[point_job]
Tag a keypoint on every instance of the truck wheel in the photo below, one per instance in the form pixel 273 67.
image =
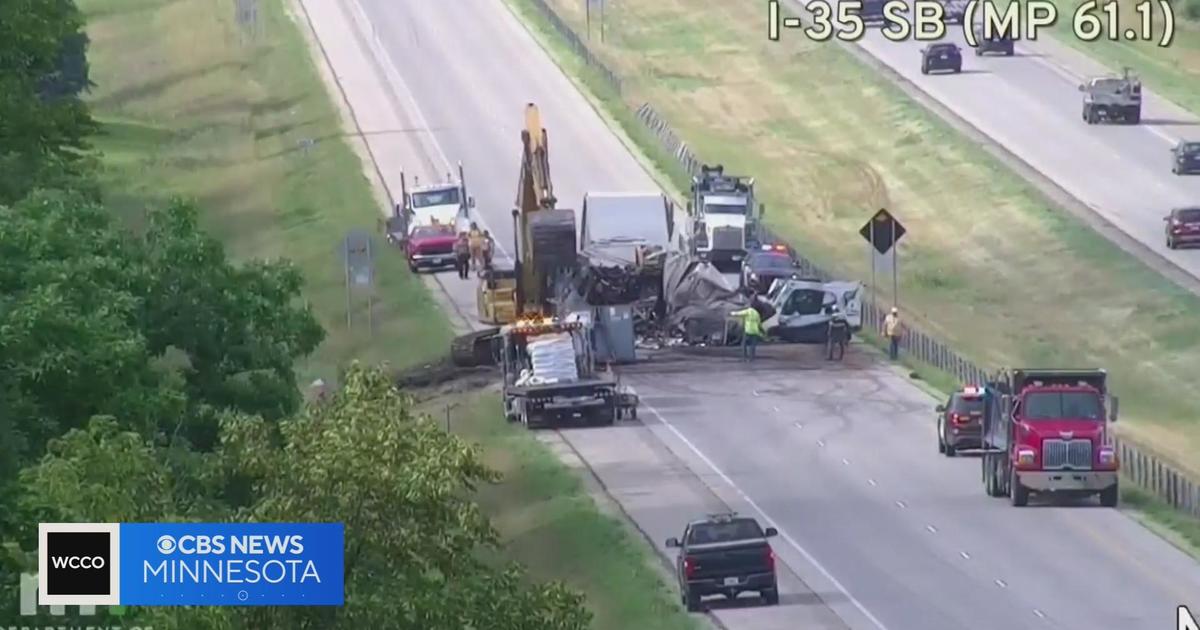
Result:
pixel 603 416
pixel 692 601
pixel 1109 496
pixel 941 442
pixel 994 488
pixel 1018 494
pixel 1171 243
pixel 1135 117
pixel 1008 53
pixel 924 69
pixel 413 268
pixel 771 596
pixel 950 450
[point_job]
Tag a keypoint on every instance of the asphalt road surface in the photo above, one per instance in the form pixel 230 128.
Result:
pixel 1030 104
pixel 879 532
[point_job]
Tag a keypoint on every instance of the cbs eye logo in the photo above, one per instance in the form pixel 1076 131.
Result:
pixel 165 544
pixel 78 564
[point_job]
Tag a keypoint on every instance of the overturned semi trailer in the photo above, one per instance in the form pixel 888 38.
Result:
pixel 698 299
pixel 623 240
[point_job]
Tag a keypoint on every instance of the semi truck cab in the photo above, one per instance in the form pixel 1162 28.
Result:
pixel 1047 431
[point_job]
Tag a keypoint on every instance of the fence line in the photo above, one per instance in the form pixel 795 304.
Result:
pixel 1147 471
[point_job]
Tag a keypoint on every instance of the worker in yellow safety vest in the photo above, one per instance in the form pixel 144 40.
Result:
pixel 893 330
pixel 751 331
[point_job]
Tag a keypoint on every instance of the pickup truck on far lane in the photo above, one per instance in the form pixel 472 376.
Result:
pixel 725 554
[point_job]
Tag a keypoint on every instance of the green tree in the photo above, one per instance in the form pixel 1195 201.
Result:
pixel 401 486
pixel 44 127
pixel 241 327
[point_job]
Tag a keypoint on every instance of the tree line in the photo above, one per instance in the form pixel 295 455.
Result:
pixel 145 376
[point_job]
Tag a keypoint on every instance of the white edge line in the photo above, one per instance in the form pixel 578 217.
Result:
pixel 782 533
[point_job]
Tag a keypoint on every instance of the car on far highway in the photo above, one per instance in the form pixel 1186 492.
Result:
pixel 430 246
pixel 725 554
pixel 1183 227
pixel 954 11
pixel 1185 158
pixel 941 56
pixel 960 421
pixel 765 266
pixel 997 43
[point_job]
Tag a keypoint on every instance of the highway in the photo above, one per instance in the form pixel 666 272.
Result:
pixel 1030 104
pixel 879 532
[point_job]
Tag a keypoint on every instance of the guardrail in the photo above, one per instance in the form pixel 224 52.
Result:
pixel 1146 470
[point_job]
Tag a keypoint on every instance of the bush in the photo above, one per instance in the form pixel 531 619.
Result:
pixel 1191 9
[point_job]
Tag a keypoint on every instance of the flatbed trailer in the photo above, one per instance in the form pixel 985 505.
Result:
pixel 593 401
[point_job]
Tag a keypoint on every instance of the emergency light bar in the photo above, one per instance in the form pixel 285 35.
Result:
pixel 972 391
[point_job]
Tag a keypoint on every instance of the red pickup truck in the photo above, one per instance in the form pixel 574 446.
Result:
pixel 430 246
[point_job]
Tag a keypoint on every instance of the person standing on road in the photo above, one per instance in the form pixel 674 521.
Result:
pixel 893 329
pixel 751 331
pixel 489 249
pixel 476 243
pixel 462 255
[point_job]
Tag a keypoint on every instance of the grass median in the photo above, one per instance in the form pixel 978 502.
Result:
pixel 988 265
pixel 193 104
pixel 197 105
pixel 548 521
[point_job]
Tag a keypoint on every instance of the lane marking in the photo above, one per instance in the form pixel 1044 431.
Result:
pixel 900 504
pixel 782 532
pixel 820 442
pixel 931 528
pixel 1001 583
pixel 756 392
pixel 776 409
pixel 871 481
pixel 799 426
pixel 1039 613
pixel 845 462
pixel 965 555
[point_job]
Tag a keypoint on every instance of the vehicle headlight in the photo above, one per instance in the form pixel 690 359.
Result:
pixel 1107 456
pixel 1026 455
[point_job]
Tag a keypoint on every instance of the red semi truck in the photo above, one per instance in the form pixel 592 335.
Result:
pixel 1047 432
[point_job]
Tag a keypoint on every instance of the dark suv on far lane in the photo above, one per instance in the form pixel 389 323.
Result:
pixel 997 43
pixel 960 421
pixel 941 56
pixel 1185 158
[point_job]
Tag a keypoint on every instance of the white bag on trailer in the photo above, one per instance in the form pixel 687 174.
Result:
pixel 553 358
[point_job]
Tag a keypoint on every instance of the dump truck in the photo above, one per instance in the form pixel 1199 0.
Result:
pixel 1047 432
pixel 1112 98
pixel 551 376
pixel 724 217
pixel 443 203
pixel 544 248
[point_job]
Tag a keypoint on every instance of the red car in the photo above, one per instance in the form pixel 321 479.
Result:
pixel 1183 227
pixel 430 246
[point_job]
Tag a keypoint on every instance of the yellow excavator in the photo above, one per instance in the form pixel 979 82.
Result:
pixel 544 242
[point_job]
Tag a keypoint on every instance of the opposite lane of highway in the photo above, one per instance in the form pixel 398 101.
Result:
pixel 1030 104
pixel 835 494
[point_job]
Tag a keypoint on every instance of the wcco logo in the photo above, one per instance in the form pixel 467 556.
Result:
pixel 1185 620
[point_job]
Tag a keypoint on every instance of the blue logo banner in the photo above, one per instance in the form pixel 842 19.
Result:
pixel 232 564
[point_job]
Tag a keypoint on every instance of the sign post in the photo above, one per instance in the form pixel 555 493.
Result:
pixel 884 232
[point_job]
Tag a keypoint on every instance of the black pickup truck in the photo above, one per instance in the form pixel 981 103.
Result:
pixel 725 554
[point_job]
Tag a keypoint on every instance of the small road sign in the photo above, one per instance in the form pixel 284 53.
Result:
pixel 882 231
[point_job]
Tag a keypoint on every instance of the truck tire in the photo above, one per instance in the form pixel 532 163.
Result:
pixel 1018 494
pixel 924 69
pixel 941 442
pixel 771 596
pixel 1109 496
pixel 691 601
pixel 992 483
pixel 950 450
pixel 1135 116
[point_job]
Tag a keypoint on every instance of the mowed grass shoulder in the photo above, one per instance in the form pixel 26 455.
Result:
pixel 547 519
pixel 192 105
pixel 988 264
